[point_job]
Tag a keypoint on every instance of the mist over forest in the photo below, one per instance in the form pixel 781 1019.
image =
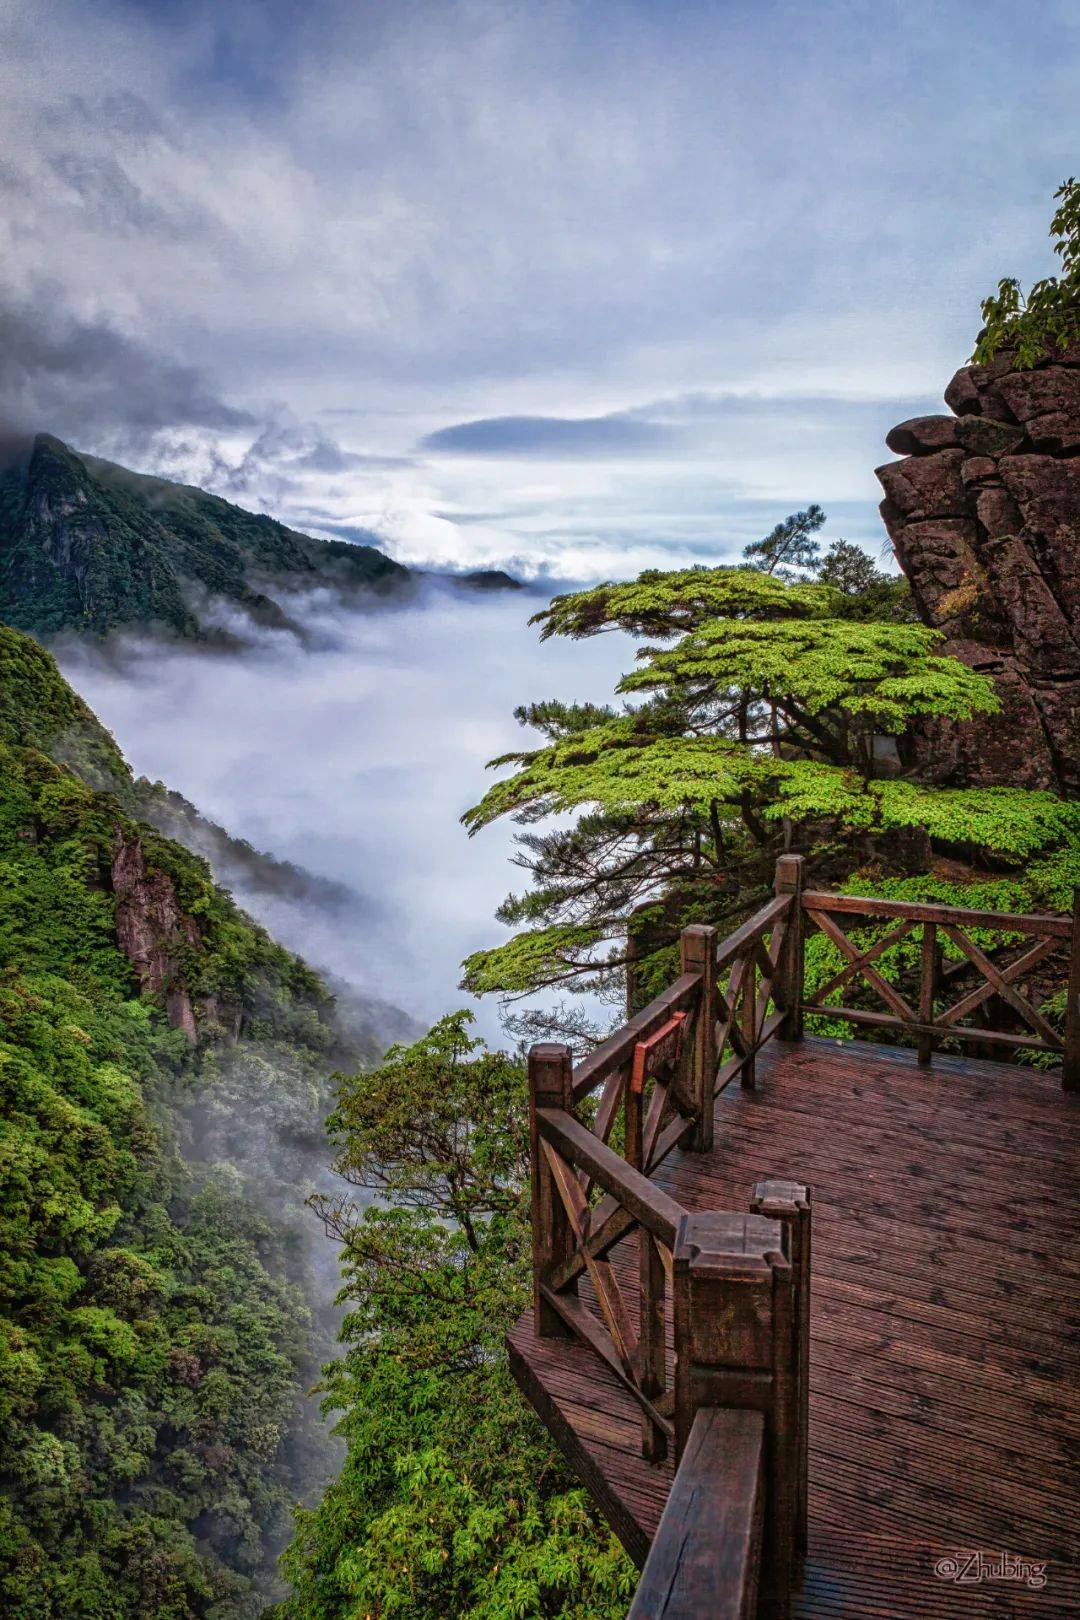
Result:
pixel 352 752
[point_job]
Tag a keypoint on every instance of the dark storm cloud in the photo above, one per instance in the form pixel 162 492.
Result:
pixel 57 374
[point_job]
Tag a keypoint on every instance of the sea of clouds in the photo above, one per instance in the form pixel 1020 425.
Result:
pixel 352 751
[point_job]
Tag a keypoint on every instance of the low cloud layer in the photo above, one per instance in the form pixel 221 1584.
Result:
pixel 352 756
pixel 549 436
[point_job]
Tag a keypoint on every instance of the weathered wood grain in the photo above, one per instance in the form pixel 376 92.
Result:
pixel 944 1379
pixel 704 1557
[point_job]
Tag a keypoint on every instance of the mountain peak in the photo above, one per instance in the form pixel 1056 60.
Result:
pixel 91 546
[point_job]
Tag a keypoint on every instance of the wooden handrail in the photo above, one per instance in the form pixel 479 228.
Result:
pixel 619 1048
pixel 706 1555
pixel 646 1202
pixel 1006 922
pixel 752 929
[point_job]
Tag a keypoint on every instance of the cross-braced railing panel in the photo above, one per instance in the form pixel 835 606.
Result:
pixel 749 971
pixel 932 1010
pixel 646 1104
pixel 628 1334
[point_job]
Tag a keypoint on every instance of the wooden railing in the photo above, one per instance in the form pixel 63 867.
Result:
pixel 722 1297
pixel 944 1002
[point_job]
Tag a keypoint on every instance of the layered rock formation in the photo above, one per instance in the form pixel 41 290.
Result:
pixel 984 516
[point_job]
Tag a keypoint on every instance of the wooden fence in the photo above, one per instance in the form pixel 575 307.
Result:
pixel 723 1297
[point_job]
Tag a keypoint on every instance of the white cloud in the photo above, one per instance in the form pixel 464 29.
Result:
pixel 418 216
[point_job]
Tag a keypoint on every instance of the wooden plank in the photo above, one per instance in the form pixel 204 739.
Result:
pixel 749 1022
pixel 929 972
pixel 912 1026
pixel 651 1358
pixel 697 954
pixel 656 1211
pixel 705 1556
pixel 1007 922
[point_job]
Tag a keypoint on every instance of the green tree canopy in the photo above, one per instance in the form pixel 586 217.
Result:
pixel 1045 319
pixel 764 712
pixel 451 1500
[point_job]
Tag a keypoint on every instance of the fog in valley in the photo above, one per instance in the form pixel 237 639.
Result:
pixel 352 751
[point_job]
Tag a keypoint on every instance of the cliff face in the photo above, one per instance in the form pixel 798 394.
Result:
pixel 152 930
pixel 984 516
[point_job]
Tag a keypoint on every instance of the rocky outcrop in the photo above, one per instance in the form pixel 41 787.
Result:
pixel 984 515
pixel 152 930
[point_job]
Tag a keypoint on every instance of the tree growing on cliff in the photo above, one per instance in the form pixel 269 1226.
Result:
pixel 767 714
pixel 451 1500
pixel 1046 319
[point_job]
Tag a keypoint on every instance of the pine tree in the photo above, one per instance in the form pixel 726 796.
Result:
pixel 766 713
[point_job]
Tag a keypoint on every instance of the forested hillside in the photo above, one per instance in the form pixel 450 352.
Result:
pixel 89 546
pixel 155 1336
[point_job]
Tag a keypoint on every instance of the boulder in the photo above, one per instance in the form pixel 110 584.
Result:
pixel 982 436
pixel 926 486
pixel 1053 390
pixel 978 470
pixel 961 395
pixel 921 433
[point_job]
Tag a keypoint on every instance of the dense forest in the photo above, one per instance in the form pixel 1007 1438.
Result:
pixel 156 1325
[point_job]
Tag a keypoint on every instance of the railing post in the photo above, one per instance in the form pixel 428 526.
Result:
pixel 697 951
pixel 734 1347
pixel 929 976
pixel 748 1023
pixel 789 1203
pixel 1070 1066
pixel 788 983
pixel 551 1078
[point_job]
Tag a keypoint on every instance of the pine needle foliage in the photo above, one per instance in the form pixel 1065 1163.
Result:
pixel 766 711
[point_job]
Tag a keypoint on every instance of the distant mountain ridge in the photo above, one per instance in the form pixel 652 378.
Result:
pixel 89 546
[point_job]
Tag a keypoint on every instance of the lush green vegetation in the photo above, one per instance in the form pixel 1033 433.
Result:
pixel 90 546
pixel 772 709
pixel 153 1337
pixel 451 1500
pixel 1046 319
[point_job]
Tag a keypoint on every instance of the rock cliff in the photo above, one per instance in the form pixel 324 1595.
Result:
pixel 984 515
pixel 152 930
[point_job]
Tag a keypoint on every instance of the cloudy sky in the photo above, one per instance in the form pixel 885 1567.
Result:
pixel 570 287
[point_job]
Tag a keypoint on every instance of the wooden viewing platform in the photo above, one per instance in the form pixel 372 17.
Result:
pixel 938 1302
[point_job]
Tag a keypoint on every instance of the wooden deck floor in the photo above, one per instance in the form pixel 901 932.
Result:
pixel 945 1401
